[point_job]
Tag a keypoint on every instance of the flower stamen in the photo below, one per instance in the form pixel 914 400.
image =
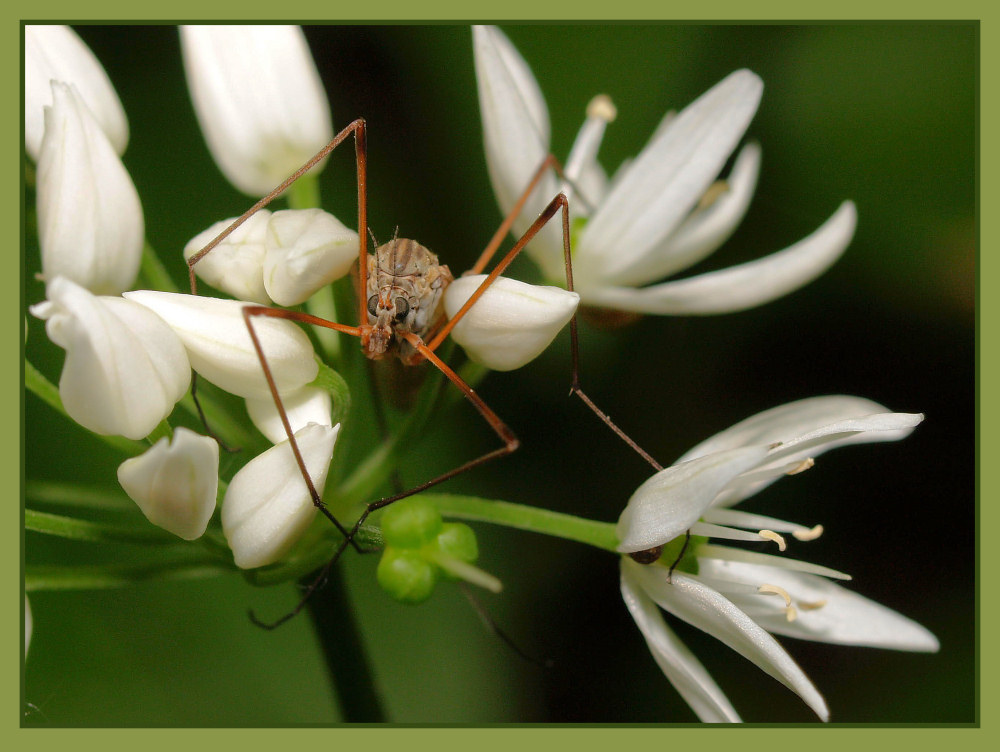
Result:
pixel 808 535
pixel 801 467
pixel 773 536
pixel 812 605
pixel 715 191
pixel 790 613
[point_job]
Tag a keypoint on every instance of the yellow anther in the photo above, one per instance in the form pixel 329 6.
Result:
pixel 790 613
pixel 808 535
pixel 602 107
pixel 713 194
pixel 773 536
pixel 802 466
pixel 812 605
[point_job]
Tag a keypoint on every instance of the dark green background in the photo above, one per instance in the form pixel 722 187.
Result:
pixel 881 114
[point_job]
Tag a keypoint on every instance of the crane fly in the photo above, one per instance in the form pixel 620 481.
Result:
pixel 400 309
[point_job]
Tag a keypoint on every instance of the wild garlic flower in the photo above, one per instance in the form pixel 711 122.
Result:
pixel 310 404
pixel 125 368
pixel 282 257
pixel 259 100
pixel 90 222
pixel 267 505
pixel 56 53
pixel 218 344
pixel 175 482
pixel 512 323
pixel 739 596
pixel 660 213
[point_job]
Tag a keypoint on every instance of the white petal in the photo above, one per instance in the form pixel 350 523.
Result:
pixel 309 404
pixel 673 499
pixel 175 483
pixel 516 135
pixel 90 223
pixel 259 100
pixel 236 265
pixel 786 422
pixel 704 608
pixel 704 230
pixel 740 287
pixel 678 663
pixel 669 177
pixel 844 618
pixel 56 53
pixel 512 323
pixel 267 506
pixel 125 369
pixel 219 346
pixel 306 249
pixel 725 553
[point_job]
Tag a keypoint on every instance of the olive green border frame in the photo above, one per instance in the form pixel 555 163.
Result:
pixel 503 738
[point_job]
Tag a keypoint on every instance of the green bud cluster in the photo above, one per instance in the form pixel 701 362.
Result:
pixel 417 543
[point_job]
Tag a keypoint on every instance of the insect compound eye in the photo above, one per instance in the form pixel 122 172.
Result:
pixel 373 305
pixel 402 308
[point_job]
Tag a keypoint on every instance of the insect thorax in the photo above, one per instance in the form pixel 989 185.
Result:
pixel 404 293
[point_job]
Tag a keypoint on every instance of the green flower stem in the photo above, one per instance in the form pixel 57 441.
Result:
pixel 322 305
pixel 567 526
pixel 94 532
pixel 71 494
pixel 231 430
pixel 153 274
pixel 340 392
pixel 78 577
pixel 304 192
pixel 45 390
pixel 313 558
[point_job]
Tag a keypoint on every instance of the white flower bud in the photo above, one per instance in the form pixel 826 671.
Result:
pixel 90 223
pixel 259 100
pixel 309 404
pixel 235 265
pixel 125 368
pixel 267 505
pixel 512 323
pixel 219 346
pixel 306 249
pixel 56 53
pixel 175 483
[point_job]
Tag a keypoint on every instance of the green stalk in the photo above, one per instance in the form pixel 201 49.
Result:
pixel 523 517
pixel 153 273
pixel 74 528
pixel 78 577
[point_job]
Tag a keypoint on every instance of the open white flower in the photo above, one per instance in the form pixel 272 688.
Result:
pixel 56 53
pixel 267 506
pixel 259 100
pixel 740 596
pixel 219 346
pixel 125 368
pixel 512 323
pixel 90 223
pixel 175 482
pixel 656 216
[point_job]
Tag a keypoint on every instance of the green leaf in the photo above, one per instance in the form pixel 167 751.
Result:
pixel 64 526
pixel 112 576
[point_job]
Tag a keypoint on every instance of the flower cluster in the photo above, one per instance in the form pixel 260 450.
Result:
pixel 131 354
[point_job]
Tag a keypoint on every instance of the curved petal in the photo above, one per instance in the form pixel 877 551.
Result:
pixel 512 323
pixel 668 177
pixel 235 265
pixel 516 135
pixel 704 230
pixel 673 499
pixel 217 341
pixel 704 608
pixel 56 53
pixel 310 404
pixel 259 100
pixel 678 663
pixel 831 614
pixel 739 287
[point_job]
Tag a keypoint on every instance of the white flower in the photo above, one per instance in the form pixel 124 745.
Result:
pixel 236 265
pixel 219 346
pixel 56 53
pixel 125 368
pixel 512 323
pixel 259 100
pixel 90 223
pixel 310 404
pixel 267 506
pixel 740 596
pixel 306 249
pixel 653 218
pixel 175 483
